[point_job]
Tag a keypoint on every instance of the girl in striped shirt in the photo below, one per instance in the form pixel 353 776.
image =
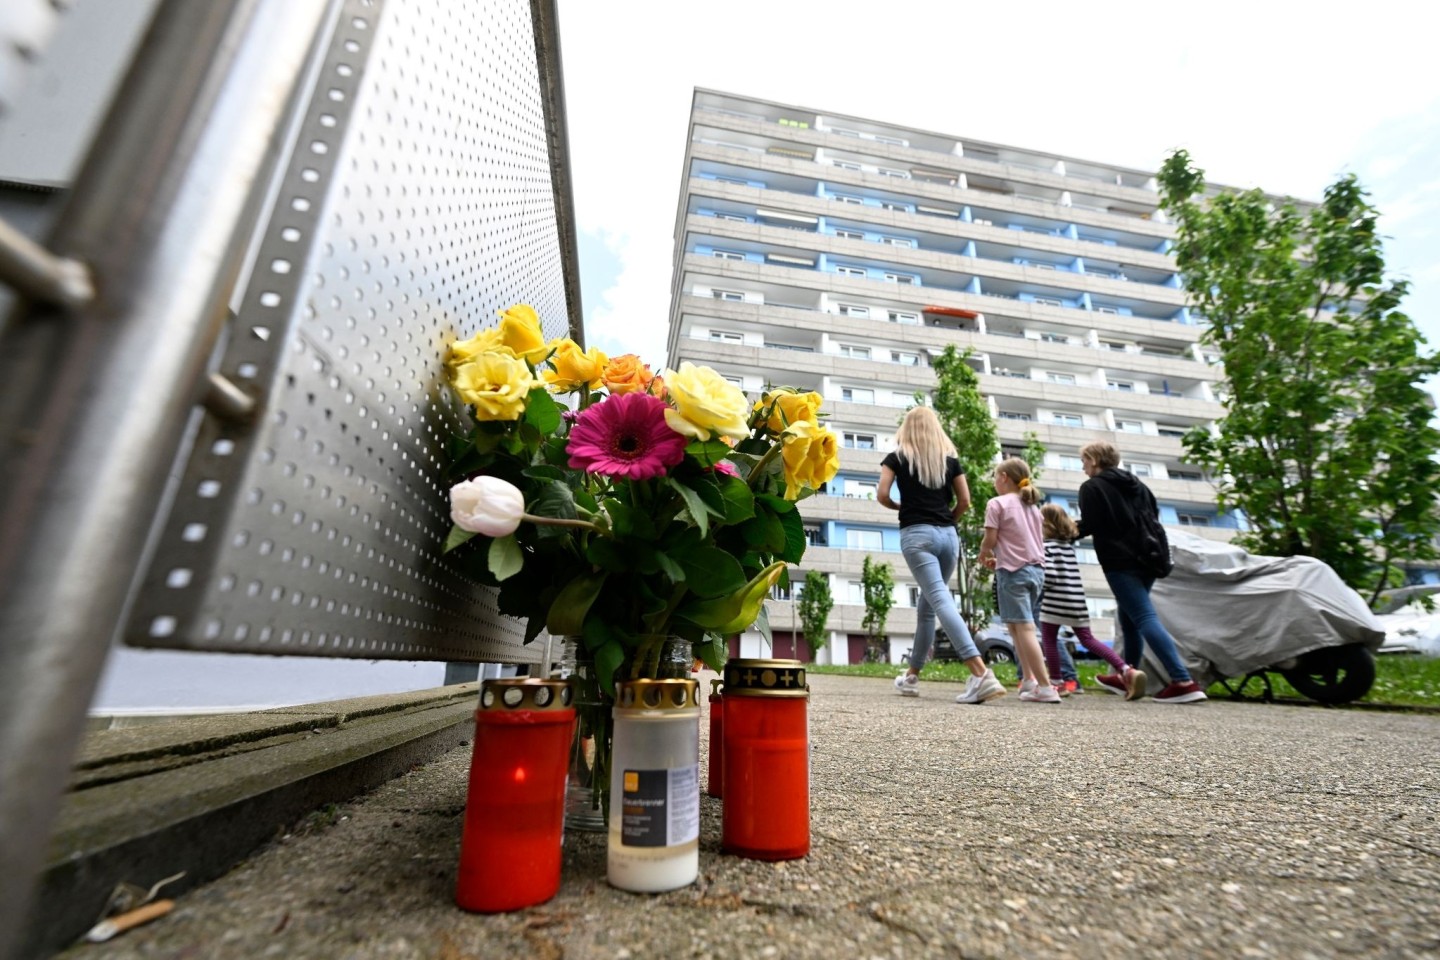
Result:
pixel 1063 601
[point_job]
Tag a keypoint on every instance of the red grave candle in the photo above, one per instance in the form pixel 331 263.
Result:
pixel 714 778
pixel 766 755
pixel 515 809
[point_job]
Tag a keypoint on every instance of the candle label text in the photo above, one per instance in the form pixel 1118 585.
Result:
pixel 660 808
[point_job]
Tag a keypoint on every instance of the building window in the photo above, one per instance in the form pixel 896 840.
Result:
pixel 854 352
pixel 739 382
pixel 850 271
pixel 845 164
pixel 730 296
pixel 841 131
pixel 1129 426
pixel 895 207
pixel 1067 379
pixel 902 316
pixel 1113 345
pixel 1012 415
pixel 1141 469
pixel 863 539
pixel 1193 520
pixel 814 537
pixel 1124 386
pixel 860 441
pixel 857 395
pixel 1174 433
pixel 733 217
pixel 1185 474
pixel 850 310
pixel 1068 462
pixel 726 255
pixel 905 359
pixel 849 235
pixel 1054 338
pixel 854 592
pixel 845 198
pixel 899 242
pixel 1067 419
pixel 903 278
pixel 1113 311
pixel 734 180
pixel 1049 302
pixel 726 336
pixel 887 172
pixel 861 489
pixel 892 141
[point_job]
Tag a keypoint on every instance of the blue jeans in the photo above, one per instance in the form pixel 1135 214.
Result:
pixel 1140 624
pixel 1019 593
pixel 931 554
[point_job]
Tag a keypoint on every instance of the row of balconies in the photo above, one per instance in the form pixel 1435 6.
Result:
pixel 788 185
pixel 741 275
pixel 789 175
pixel 908 149
pixel 953 270
pixel 806 323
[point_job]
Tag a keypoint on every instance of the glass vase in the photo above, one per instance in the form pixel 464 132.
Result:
pixel 589 775
pixel 587 793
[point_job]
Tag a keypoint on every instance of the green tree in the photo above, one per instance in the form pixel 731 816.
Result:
pixel 878 587
pixel 814 605
pixel 1326 443
pixel 965 416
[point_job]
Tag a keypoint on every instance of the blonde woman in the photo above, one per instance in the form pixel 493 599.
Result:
pixel 933 495
pixel 1014 547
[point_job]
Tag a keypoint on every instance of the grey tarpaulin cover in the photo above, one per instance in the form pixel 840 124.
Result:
pixel 1231 612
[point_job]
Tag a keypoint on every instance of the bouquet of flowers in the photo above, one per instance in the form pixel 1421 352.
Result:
pixel 644 508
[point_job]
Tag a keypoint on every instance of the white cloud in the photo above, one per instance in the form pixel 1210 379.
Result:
pixel 1260 94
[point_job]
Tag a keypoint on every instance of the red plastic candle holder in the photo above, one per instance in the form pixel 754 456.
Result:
pixel 515 809
pixel 765 811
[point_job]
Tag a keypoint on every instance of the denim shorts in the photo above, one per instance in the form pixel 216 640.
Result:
pixel 1019 592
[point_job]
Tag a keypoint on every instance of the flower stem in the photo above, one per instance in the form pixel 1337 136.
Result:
pixel 765 461
pixel 557 522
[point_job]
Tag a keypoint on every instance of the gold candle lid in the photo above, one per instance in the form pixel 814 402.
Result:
pixel 525 693
pixel 657 694
pixel 765 678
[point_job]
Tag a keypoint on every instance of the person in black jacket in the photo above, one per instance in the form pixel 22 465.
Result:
pixel 1111 504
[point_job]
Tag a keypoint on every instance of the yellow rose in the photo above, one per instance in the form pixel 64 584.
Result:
pixel 788 406
pixel 486 341
pixel 520 331
pixel 706 404
pixel 626 374
pixel 575 369
pixel 811 457
pixel 496 385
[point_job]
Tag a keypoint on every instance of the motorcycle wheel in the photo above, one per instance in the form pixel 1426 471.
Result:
pixel 1334 674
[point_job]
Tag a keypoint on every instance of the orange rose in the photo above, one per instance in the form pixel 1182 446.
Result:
pixel 626 374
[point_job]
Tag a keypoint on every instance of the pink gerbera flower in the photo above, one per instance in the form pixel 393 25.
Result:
pixel 625 435
pixel 726 467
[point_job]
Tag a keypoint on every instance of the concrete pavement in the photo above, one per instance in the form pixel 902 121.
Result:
pixel 1095 828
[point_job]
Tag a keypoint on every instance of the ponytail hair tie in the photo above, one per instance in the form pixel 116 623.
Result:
pixel 1024 482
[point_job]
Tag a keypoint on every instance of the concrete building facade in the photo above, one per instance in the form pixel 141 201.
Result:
pixel 839 255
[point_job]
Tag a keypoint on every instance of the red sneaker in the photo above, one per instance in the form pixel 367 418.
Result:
pixel 1068 687
pixel 1187 692
pixel 1112 683
pixel 1134 683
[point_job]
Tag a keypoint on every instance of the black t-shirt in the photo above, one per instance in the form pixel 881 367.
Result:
pixel 922 504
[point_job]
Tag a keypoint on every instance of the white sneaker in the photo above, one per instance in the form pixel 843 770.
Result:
pixel 908 684
pixel 982 688
pixel 1027 686
pixel 1040 694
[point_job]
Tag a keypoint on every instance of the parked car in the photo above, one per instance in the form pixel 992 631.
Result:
pixel 993 642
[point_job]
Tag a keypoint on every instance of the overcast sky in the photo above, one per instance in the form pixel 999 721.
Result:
pixel 1259 95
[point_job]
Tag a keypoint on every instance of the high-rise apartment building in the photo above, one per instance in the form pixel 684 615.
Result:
pixel 839 255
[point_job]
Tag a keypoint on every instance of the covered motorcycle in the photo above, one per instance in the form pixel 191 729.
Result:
pixel 1235 616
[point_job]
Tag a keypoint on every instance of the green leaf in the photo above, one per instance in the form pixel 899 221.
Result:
pixel 736 612
pixel 764 531
pixel 608 659
pixel 709 571
pixel 457 537
pixel 555 500
pixel 572 603
pixel 673 570
pixel 707 452
pixel 778 504
pixel 739 500
pixel 714 651
pixel 506 558
pixel 794 536
pixel 542 412
pixel 696 506
pixel 607 555
pixel 544 472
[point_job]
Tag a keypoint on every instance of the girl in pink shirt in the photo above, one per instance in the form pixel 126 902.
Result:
pixel 1014 547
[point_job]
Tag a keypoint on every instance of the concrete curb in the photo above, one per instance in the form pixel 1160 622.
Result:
pixel 198 797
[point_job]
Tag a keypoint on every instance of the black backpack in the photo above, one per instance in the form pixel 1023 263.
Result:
pixel 1152 547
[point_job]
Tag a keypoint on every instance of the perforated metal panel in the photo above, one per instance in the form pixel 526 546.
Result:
pixel 418 203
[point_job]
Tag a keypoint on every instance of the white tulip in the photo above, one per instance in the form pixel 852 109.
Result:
pixel 487 505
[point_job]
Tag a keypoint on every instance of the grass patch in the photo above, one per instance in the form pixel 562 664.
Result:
pixel 1407 680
